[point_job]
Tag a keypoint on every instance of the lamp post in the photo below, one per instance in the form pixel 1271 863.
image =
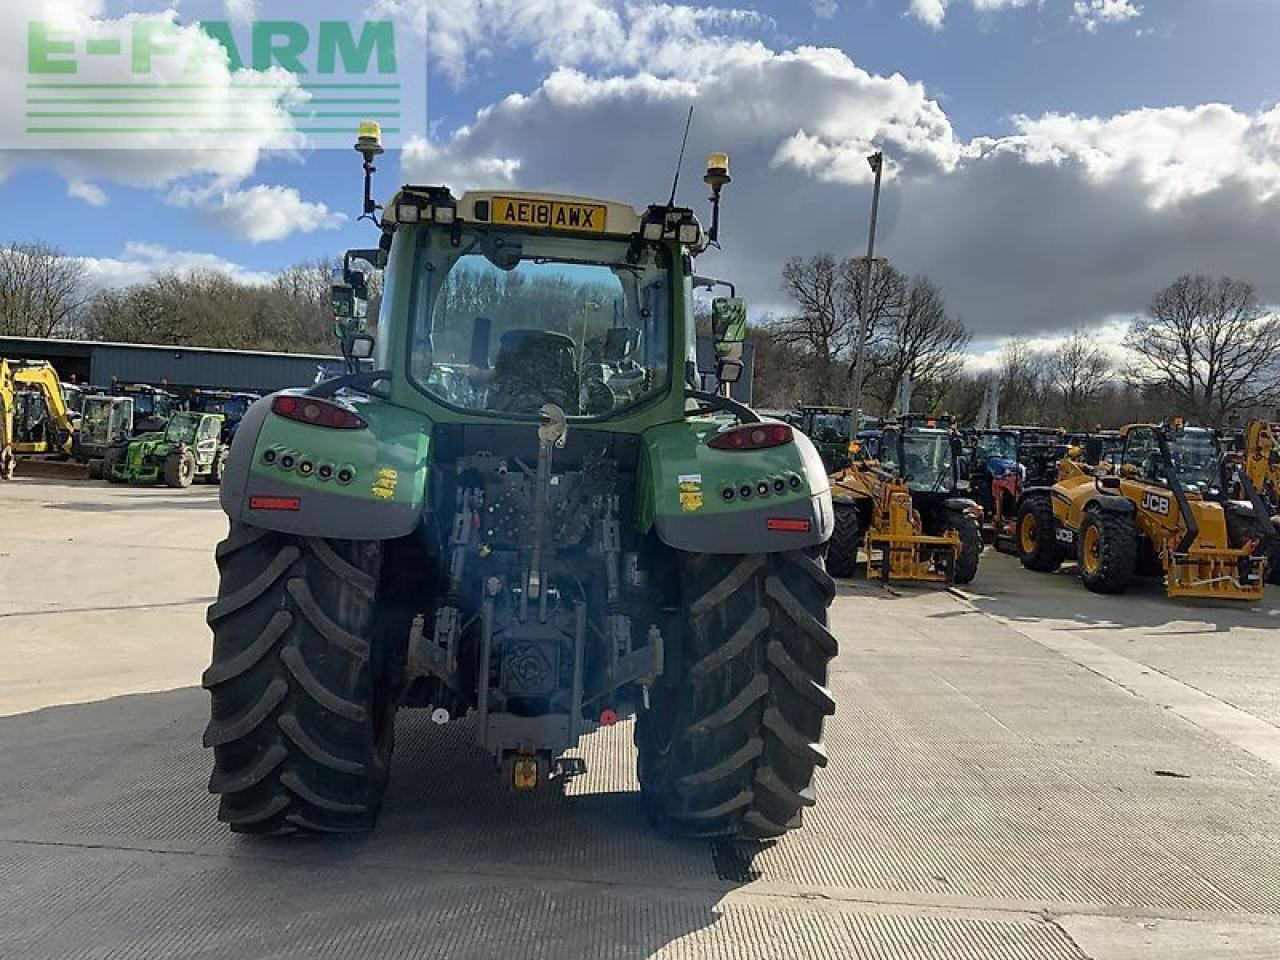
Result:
pixel 876 160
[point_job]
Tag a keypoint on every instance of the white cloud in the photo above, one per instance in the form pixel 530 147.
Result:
pixel 260 213
pixel 824 9
pixel 1068 220
pixel 209 161
pixel 139 262
pixel 91 194
pixel 1175 153
pixel 1092 13
pixel 654 36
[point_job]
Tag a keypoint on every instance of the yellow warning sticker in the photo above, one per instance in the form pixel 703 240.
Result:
pixel 384 483
pixel 690 487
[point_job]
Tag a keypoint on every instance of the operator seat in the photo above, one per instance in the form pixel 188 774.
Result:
pixel 534 367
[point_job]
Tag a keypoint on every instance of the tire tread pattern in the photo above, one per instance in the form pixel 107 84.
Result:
pixel 296 730
pixel 746 715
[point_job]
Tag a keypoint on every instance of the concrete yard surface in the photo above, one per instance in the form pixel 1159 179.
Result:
pixel 1019 770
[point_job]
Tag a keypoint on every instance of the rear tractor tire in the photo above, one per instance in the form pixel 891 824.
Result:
pixel 846 539
pixel 1107 551
pixel 732 734
pixel 970 544
pixel 302 727
pixel 179 469
pixel 1038 545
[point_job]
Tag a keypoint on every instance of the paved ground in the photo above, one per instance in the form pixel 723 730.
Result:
pixel 1028 771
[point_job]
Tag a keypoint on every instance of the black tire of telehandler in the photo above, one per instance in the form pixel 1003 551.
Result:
pixel 970 544
pixel 179 469
pixel 217 467
pixel 1243 525
pixel 301 728
pixel 733 732
pixel 1048 554
pixel 846 539
pixel 95 469
pixel 1117 551
pixel 110 460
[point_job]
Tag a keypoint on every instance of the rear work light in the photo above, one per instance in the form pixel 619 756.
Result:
pixel 753 436
pixel 319 413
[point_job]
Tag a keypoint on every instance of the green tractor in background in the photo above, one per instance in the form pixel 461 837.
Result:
pixel 489 523
pixel 190 446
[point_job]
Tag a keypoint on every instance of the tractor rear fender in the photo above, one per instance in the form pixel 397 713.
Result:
pixel 376 476
pixel 703 500
pixel 960 504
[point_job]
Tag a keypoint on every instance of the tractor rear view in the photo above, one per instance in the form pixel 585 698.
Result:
pixel 1166 511
pixel 906 509
pixel 486 527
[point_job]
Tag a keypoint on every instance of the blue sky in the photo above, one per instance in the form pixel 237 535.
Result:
pixel 976 71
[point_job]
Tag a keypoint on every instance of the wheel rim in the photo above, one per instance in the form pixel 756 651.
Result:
pixel 1092 550
pixel 1029 533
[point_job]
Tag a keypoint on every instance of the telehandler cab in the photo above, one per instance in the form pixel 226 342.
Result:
pixel 483 525
pixel 906 510
pixel 1166 510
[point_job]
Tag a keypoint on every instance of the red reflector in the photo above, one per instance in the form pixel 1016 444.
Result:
pixel 321 413
pixel 275 503
pixel 786 525
pixel 608 717
pixel 752 436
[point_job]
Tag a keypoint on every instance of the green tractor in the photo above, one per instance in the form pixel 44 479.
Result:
pixel 483 525
pixel 190 446
pixel 828 428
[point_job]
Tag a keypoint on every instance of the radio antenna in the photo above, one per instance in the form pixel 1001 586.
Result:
pixel 680 162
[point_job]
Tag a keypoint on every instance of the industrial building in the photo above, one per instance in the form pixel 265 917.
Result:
pixel 183 368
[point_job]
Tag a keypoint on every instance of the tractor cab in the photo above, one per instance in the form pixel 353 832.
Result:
pixel 230 404
pixel 925 457
pixel 828 428
pixel 104 422
pixel 152 406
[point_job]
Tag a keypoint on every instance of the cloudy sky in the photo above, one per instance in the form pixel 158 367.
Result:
pixel 1052 163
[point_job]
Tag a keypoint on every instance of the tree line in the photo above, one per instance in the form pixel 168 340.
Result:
pixel 43 294
pixel 1205 349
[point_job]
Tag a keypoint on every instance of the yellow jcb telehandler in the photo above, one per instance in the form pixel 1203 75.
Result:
pixel 1166 510
pixel 905 510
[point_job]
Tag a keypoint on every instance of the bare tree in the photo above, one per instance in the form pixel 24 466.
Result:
pixel 1025 388
pixel 1208 344
pixel 1079 370
pixel 41 291
pixel 828 292
pixel 918 339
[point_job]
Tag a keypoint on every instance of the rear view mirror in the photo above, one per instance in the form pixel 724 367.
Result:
pixel 729 326
pixel 360 346
pixel 346 303
pixel 730 371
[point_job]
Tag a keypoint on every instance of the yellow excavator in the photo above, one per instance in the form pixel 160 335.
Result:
pixel 35 425
pixel 7 457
